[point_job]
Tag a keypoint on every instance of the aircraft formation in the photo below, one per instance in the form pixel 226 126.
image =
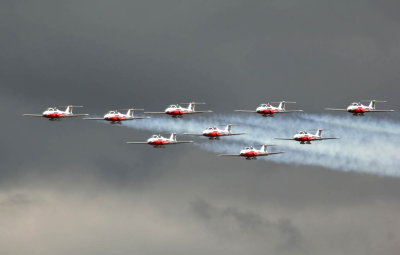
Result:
pixel 212 132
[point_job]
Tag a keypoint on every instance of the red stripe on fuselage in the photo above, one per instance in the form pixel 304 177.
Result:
pixel 214 134
pixel 54 115
pixel 267 111
pixel 115 118
pixel 158 142
pixel 305 138
pixel 358 110
pixel 249 154
pixel 176 112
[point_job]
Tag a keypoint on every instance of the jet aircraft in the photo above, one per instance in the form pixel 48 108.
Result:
pixel 53 113
pixel 158 141
pixel 267 110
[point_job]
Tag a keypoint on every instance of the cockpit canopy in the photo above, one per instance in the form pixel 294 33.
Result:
pixel 52 109
pixel 211 128
pixel 112 112
pixel 302 132
pixel 155 136
pixel 174 106
pixel 355 104
pixel 248 148
pixel 265 105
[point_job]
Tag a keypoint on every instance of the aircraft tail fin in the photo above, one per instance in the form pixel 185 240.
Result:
pixel 282 104
pixel 228 127
pixel 173 136
pixel 373 102
pixel 191 105
pixel 130 111
pixel 69 108
pixel 265 146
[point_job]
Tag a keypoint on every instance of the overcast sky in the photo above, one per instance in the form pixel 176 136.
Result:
pixel 73 187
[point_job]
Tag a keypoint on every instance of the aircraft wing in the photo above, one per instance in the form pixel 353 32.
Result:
pixel 272 153
pixel 288 111
pixel 177 142
pixel 269 153
pixel 380 111
pixel 238 134
pixel 32 115
pixel 93 118
pixel 76 115
pixel 193 134
pixel 284 139
pixel 155 112
pixel 229 155
pixel 199 112
pixel 334 109
pixel 327 138
pixel 245 111
pixel 135 118
pixel 137 142
pixel 138 118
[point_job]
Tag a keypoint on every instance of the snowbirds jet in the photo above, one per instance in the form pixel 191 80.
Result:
pixel 305 138
pixel 251 153
pixel 159 141
pixel 177 111
pixel 267 110
pixel 115 117
pixel 216 133
pixel 52 113
pixel 358 109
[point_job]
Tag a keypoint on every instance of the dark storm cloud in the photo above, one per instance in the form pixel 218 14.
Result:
pixel 232 223
pixel 246 52
pixel 74 186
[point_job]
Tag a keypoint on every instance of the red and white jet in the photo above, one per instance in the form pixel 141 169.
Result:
pixel 159 141
pixel 251 153
pixel 115 117
pixel 52 113
pixel 216 133
pixel 358 109
pixel 305 138
pixel 267 110
pixel 178 111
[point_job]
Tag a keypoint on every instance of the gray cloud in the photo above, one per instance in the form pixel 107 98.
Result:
pixel 233 224
pixel 75 187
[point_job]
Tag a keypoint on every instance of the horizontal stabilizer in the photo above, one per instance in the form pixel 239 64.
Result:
pixel 200 112
pixel 183 142
pixel 380 111
pixel 288 111
pixel 376 101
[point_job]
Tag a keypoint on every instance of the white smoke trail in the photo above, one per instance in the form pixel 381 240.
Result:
pixel 367 144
